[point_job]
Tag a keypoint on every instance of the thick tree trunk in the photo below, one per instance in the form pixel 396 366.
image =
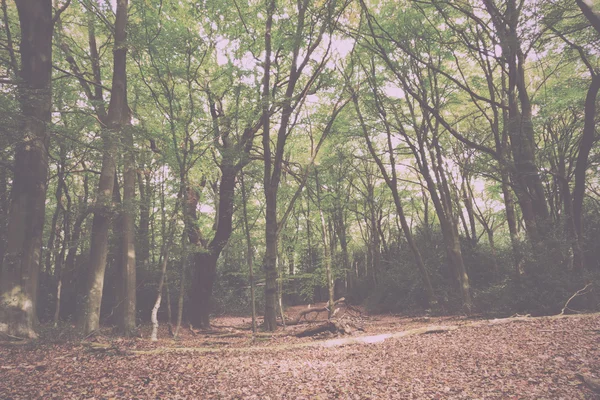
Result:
pixel 205 272
pixel 207 255
pixel 21 261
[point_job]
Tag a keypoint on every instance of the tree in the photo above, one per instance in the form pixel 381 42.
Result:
pixel 21 260
pixel 117 118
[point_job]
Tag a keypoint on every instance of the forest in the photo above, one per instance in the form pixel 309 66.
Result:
pixel 166 166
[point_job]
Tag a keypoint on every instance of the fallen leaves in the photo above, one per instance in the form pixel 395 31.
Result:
pixel 534 358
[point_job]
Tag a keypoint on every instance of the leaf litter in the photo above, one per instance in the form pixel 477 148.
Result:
pixel 526 358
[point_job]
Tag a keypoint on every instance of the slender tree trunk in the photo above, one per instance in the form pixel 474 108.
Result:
pixel 470 212
pixel 60 260
pixel 60 257
pixel 511 219
pixel 490 235
pixel 167 241
pixel 53 226
pixel 4 201
pixel 392 184
pixel 184 256
pixel 581 166
pixel 448 224
pixel 143 247
pixel 70 275
pixel 375 242
pixel 340 228
pixel 249 252
pixel 21 262
pixel 118 116
pixel 169 310
pixel 159 290
pixel 326 249
pixel 270 187
pixel 127 320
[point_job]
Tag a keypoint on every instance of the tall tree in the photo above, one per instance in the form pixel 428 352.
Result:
pixel 118 116
pixel 296 89
pixel 21 261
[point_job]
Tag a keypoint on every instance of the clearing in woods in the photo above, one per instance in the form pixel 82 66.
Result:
pixel 384 357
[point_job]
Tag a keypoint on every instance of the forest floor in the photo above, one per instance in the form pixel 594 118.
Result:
pixel 393 358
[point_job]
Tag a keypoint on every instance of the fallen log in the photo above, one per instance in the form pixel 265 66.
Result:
pixel 326 327
pixel 309 311
pixel 333 326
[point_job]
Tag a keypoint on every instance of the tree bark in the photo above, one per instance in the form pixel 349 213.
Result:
pixel 270 187
pixel 143 246
pixel 117 117
pixel 249 252
pixel 527 181
pixel 21 262
pixel 326 249
pixel 340 228
pixel 127 320
pixel 585 145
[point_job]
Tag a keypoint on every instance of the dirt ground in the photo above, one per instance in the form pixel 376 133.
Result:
pixel 393 357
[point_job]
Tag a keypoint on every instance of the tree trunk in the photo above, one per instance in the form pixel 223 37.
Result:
pixel 470 212
pixel 69 273
pixel 249 252
pixel 21 262
pixel 154 314
pixel 527 181
pixel 143 246
pixel 60 260
pixel 118 116
pixel 127 320
pixel 53 224
pixel 4 199
pixel 585 146
pixel 340 228
pixel 589 132
pixel 448 224
pixel 205 272
pixel 392 184
pixel 326 249
pixel 182 278
pixel 511 219
pixel 163 276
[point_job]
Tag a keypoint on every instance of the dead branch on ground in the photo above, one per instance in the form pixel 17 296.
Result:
pixel 580 292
